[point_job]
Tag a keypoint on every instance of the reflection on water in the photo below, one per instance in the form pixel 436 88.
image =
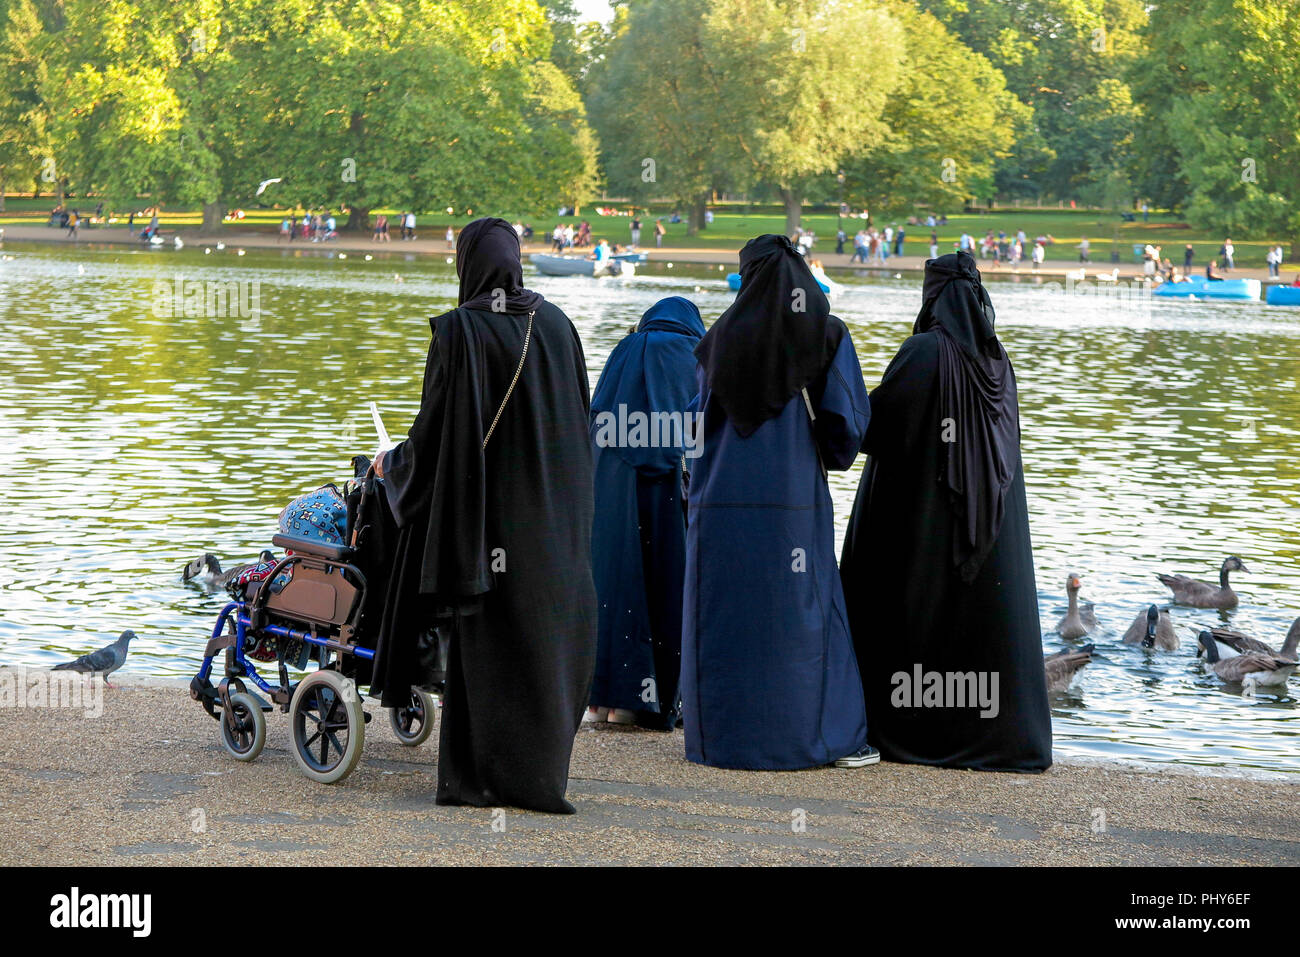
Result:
pixel 1157 437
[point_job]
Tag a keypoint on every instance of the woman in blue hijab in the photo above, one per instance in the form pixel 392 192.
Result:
pixel 642 438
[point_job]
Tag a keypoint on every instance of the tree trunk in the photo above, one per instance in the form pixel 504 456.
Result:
pixel 213 214
pixel 793 209
pixel 695 223
pixel 358 219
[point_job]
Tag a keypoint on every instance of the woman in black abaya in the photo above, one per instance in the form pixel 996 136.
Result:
pixel 937 566
pixel 492 491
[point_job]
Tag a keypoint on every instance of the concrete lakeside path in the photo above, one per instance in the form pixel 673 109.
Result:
pixel 148 783
pixel 434 247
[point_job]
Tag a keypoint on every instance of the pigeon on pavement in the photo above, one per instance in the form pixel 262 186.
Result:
pixel 103 662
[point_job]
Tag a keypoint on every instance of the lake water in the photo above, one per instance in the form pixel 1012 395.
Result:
pixel 1157 437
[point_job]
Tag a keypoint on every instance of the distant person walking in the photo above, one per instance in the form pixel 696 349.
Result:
pixel 1227 253
pixel 634 228
pixel 860 247
pixel 934 245
pixel 1189 254
pixel 660 230
pixel 1084 247
pixel 898 240
pixel 1272 258
pixel 451 237
pixel 285 231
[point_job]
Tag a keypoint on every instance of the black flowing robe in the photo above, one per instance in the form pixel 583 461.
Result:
pixel 514 585
pixel 909 607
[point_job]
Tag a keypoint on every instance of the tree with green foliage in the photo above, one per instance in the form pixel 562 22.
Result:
pixel 804 85
pixel 692 96
pixel 423 103
pixel 1068 60
pixel 662 127
pixel 1221 97
pixel 949 123
pixel 26 153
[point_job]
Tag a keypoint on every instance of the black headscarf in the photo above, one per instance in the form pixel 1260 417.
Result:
pixel 761 351
pixel 977 392
pixel 490 269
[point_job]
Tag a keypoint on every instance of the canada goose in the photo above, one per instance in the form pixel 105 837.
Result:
pixel 1152 628
pixel 206 569
pixel 1077 621
pixel 1202 594
pixel 1064 665
pixel 1250 669
pixel 1232 643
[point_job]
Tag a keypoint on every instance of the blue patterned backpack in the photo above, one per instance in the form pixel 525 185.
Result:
pixel 320 516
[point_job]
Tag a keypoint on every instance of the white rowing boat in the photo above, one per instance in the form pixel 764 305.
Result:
pixel 574 266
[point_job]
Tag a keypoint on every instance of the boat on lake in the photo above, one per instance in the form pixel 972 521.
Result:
pixel 1201 288
pixel 1283 295
pixel 827 286
pixel 549 265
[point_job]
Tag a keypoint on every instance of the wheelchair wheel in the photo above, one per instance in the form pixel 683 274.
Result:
pixel 245 740
pixel 413 723
pixel 329 727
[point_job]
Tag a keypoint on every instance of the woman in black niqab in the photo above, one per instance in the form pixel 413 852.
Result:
pixel 493 498
pixel 756 358
pixel 937 563
pixel 977 395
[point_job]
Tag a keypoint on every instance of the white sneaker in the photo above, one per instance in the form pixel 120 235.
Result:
pixel 595 715
pixel 621 716
pixel 859 759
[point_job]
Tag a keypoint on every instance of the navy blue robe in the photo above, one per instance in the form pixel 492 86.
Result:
pixel 638 542
pixel 769 677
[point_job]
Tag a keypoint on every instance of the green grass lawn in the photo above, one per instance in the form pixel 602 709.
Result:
pixel 733 224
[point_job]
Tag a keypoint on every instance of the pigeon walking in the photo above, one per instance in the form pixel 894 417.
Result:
pixel 103 662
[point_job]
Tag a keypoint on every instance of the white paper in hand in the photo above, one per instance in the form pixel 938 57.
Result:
pixel 385 443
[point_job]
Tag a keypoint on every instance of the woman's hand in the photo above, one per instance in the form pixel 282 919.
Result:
pixel 377 463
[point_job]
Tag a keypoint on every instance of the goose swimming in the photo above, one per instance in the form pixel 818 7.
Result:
pixel 1252 670
pixel 1232 643
pixel 1153 628
pixel 1203 594
pixel 1078 620
pixel 1062 667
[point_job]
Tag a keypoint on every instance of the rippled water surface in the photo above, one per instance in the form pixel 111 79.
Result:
pixel 1157 437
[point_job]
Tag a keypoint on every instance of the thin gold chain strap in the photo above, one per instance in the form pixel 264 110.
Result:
pixel 528 334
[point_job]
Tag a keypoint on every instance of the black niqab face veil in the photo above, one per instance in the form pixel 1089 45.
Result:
pixel 491 272
pixel 777 336
pixel 979 410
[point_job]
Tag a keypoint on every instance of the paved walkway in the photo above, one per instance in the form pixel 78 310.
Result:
pixel 148 783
